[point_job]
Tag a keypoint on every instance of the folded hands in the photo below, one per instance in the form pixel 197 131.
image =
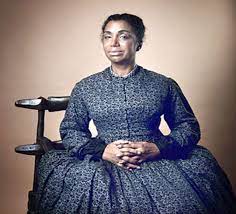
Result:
pixel 130 155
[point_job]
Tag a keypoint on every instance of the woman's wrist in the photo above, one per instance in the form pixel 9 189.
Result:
pixel 153 151
pixel 104 154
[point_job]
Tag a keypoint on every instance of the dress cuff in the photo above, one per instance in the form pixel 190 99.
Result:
pixel 169 148
pixel 94 147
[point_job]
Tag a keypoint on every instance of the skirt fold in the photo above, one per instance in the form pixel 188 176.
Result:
pixel 196 184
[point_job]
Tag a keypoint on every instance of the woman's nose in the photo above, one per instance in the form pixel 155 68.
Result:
pixel 115 41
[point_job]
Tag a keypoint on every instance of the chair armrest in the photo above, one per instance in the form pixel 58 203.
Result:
pixel 35 103
pixel 57 103
pixel 30 149
pixel 51 104
pixel 39 149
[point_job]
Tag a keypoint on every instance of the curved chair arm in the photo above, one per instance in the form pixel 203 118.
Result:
pixel 41 104
pixel 57 103
pixel 51 103
pixel 43 145
pixel 30 149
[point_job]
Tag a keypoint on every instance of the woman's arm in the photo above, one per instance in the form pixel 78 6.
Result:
pixel 185 130
pixel 74 128
pixel 75 133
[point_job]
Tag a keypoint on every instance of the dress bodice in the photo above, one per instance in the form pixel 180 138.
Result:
pixel 130 109
pixel 125 108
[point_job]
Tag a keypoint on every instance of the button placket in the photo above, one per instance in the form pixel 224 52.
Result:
pixel 125 105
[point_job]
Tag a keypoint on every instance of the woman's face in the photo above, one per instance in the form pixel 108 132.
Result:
pixel 119 42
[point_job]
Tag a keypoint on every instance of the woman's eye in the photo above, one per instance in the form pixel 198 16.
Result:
pixel 124 37
pixel 106 37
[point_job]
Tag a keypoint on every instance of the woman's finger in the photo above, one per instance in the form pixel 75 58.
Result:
pixel 125 164
pixel 138 145
pixel 140 161
pixel 132 160
pixel 121 142
pixel 120 165
pixel 124 145
pixel 130 150
pixel 119 154
pixel 127 154
pixel 131 166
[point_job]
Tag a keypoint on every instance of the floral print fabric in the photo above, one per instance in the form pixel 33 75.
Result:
pixel 185 179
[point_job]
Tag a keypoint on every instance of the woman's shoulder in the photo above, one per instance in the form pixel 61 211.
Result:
pixel 99 78
pixel 156 76
pixel 91 80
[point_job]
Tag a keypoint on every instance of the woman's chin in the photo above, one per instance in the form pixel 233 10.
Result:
pixel 116 59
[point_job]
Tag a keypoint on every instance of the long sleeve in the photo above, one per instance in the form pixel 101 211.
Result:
pixel 74 129
pixel 185 130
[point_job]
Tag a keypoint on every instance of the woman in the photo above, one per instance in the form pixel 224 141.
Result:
pixel 130 167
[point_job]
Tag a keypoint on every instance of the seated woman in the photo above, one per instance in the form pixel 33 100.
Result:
pixel 130 167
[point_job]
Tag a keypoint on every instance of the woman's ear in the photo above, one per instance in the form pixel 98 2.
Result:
pixel 139 46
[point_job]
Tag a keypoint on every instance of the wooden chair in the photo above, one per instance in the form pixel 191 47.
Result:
pixel 42 143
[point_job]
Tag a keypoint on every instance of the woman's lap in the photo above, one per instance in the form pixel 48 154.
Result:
pixel 68 185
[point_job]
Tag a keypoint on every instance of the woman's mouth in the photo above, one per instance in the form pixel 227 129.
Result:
pixel 115 53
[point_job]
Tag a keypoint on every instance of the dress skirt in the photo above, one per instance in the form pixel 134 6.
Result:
pixel 196 184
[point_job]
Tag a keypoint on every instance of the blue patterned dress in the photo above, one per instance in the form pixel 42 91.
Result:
pixel 186 178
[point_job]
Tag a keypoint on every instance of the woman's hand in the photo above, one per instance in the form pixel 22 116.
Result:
pixel 137 152
pixel 113 154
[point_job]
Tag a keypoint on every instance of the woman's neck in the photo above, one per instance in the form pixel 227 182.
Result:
pixel 122 70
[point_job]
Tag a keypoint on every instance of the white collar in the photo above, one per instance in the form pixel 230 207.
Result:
pixel 123 76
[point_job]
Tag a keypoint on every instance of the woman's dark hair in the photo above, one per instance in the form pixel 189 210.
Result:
pixel 134 21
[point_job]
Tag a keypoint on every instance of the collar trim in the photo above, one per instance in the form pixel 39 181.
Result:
pixel 124 76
